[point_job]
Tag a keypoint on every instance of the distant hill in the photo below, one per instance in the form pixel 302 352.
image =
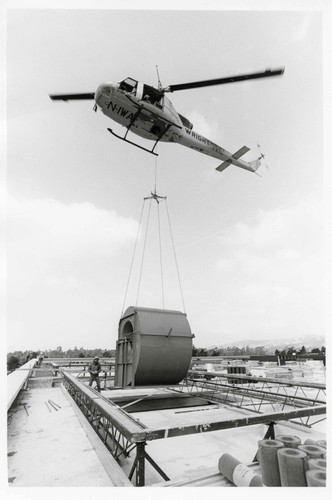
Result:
pixel 310 342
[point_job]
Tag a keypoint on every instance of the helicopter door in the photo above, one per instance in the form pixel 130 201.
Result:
pixel 139 90
pixel 152 95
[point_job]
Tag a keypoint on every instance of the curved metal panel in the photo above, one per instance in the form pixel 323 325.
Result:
pixel 154 347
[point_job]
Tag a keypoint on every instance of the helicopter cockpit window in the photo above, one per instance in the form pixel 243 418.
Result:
pixel 152 95
pixel 129 85
pixel 186 122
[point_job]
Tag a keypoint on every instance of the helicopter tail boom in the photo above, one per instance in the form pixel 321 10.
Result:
pixel 255 165
pixel 234 160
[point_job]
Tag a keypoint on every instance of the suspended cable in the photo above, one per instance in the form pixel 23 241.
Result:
pixel 155 173
pixel 133 257
pixel 175 258
pixel 161 261
pixel 142 262
pixel 158 199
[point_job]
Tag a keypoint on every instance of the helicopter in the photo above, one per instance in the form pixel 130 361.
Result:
pixel 147 112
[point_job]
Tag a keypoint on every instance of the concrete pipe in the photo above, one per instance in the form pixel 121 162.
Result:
pixel 268 460
pixel 292 467
pixel 317 463
pixel 289 441
pixel 312 451
pixel 316 477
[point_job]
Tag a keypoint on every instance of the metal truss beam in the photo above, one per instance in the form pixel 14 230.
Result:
pixel 121 432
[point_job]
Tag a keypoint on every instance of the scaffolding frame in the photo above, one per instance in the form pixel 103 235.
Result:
pixel 278 394
pixel 122 433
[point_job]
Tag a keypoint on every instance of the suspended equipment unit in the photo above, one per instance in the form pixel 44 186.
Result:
pixel 154 346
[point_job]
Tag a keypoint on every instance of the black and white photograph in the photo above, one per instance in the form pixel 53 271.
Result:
pixel 166 202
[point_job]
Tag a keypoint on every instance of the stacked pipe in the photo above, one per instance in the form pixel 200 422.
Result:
pixel 283 461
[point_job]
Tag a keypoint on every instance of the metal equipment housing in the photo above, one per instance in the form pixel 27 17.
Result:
pixel 154 346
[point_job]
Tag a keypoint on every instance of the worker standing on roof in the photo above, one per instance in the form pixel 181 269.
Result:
pixel 94 369
pixel 40 359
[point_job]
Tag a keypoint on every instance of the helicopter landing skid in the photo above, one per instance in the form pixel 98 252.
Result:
pixel 134 143
pixel 124 138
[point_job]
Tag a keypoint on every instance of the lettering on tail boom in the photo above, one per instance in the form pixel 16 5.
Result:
pixel 206 141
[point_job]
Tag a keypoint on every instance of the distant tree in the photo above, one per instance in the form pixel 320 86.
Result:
pixel 201 351
pixel 303 350
pixel 323 350
pixel 316 350
pixel 259 350
pixel 34 354
pixel 13 362
pixel 110 353
pixel 23 359
pixel 247 350
pixel 291 352
pixel 214 351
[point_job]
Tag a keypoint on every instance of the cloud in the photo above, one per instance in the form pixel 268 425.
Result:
pixel 203 126
pixel 66 265
pixel 47 237
pixel 273 267
pixel 289 232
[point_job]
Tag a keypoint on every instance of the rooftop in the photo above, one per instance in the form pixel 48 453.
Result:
pixel 60 431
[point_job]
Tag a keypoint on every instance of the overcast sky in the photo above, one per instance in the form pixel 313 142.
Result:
pixel 249 249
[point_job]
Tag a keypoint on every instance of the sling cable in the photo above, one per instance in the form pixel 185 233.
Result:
pixel 147 207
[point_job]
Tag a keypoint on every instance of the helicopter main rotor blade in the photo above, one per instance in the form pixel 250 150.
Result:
pixel 72 97
pixel 229 79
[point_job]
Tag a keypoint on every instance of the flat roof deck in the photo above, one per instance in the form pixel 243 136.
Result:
pixel 49 447
pixel 55 445
pixel 192 460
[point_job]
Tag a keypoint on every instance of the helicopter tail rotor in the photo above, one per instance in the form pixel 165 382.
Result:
pixel 262 156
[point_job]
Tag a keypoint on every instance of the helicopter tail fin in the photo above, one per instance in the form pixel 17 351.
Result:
pixel 255 165
pixel 224 165
pixel 233 160
pixel 242 151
